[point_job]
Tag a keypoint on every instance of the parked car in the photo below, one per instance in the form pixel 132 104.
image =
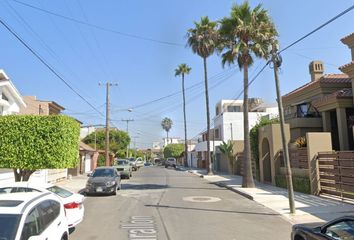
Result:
pixel 338 229
pixel 124 168
pixel 33 216
pixel 170 162
pixel 103 180
pixel 148 164
pixel 139 162
pixel 133 163
pixel 73 202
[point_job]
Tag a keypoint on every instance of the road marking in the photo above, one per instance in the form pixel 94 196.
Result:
pixel 141 228
pixel 199 199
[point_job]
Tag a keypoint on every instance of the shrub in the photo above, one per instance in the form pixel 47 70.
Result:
pixel 29 143
pixel 300 184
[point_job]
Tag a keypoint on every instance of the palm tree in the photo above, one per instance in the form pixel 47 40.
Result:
pixel 203 40
pixel 246 34
pixel 181 71
pixel 166 124
pixel 228 150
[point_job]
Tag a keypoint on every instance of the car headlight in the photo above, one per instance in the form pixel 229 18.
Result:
pixel 110 183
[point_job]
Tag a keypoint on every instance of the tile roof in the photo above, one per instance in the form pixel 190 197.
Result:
pixel 346 65
pixel 325 79
pixel 340 94
pixel 343 40
pixel 86 147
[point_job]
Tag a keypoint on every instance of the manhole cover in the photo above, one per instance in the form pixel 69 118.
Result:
pixel 205 199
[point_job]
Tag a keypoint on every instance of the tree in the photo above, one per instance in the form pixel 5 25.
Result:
pixel 118 140
pixel 29 143
pixel 228 150
pixel 246 34
pixel 182 70
pixel 166 125
pixel 203 40
pixel 173 150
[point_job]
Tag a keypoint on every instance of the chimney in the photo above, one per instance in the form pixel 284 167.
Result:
pixel 316 70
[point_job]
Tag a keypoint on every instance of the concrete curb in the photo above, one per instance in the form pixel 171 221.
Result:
pixel 244 194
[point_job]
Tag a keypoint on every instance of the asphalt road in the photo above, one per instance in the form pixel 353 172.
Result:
pixel 167 204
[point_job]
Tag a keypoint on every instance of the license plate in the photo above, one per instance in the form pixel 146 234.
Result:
pixel 99 189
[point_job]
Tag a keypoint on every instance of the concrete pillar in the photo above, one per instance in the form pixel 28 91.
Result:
pixel 316 142
pixel 326 121
pixel 342 129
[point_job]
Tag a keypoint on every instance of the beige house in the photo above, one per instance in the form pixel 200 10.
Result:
pixel 40 107
pixel 324 104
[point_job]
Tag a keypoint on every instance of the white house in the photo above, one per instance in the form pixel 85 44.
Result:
pixel 228 124
pixel 171 140
pixel 10 99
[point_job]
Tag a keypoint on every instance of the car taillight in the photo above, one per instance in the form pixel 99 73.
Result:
pixel 71 205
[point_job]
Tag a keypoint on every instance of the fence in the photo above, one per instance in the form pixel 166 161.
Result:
pixel 336 170
pixel 298 158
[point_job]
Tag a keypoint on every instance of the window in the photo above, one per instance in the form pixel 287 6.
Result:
pixel 343 230
pixel 49 210
pixel 3 96
pixel 8 225
pixel 217 133
pixel 217 111
pixel 233 108
pixel 60 191
pixel 17 189
pixel 32 226
pixel 302 110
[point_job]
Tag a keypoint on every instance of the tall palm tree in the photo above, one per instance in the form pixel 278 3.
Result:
pixel 182 70
pixel 246 33
pixel 166 125
pixel 203 40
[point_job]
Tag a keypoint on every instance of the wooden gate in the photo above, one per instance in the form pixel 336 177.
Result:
pixel 336 170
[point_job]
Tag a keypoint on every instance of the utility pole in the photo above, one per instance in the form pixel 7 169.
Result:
pixel 232 134
pixel 127 121
pixel 108 85
pixel 276 59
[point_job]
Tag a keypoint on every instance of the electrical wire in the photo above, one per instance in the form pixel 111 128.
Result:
pixel 106 29
pixel 2 22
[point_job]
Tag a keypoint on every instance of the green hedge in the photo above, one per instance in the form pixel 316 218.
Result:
pixel 300 184
pixel 38 142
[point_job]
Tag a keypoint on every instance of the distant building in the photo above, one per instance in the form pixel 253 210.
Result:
pixel 40 107
pixel 171 140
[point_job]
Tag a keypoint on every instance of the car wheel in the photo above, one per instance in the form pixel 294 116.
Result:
pixel 119 187
pixel 128 176
pixel 64 237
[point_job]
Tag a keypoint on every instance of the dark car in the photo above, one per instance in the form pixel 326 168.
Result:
pixel 338 229
pixel 103 180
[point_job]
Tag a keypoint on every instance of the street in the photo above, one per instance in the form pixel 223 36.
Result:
pixel 159 203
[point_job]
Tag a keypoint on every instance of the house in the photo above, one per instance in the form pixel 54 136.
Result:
pixel 324 104
pixel 171 140
pixel 40 107
pixel 87 160
pixel 10 99
pixel 228 126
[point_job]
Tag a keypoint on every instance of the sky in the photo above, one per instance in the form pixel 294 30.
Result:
pixel 138 44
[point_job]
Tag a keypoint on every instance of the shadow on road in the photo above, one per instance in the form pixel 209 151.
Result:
pixel 128 186
pixel 214 210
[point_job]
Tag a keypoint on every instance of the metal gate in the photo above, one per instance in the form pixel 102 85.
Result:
pixel 336 170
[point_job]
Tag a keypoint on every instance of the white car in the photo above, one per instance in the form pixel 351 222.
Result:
pixel 73 202
pixel 32 216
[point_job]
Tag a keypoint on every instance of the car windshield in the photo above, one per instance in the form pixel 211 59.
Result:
pixel 8 226
pixel 121 162
pixel 61 192
pixel 104 172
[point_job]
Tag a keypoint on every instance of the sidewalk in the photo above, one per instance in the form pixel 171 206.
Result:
pixel 76 184
pixel 309 208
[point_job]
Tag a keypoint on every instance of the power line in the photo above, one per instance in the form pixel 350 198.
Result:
pixel 47 64
pixel 106 29
pixel 318 28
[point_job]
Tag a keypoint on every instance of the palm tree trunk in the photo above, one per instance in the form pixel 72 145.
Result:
pixel 166 138
pixel 208 160
pixel 185 125
pixel 247 179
